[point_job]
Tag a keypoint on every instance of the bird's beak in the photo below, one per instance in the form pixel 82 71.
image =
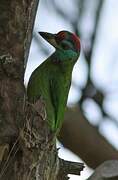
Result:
pixel 50 38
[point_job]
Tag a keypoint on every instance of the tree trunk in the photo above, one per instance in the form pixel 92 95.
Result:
pixel 27 147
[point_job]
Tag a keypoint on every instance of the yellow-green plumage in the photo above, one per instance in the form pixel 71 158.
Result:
pixel 51 81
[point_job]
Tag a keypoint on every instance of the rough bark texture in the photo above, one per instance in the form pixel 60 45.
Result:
pixel 27 147
pixel 15 34
pixel 12 36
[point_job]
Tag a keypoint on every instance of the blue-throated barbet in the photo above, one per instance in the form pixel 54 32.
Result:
pixel 52 79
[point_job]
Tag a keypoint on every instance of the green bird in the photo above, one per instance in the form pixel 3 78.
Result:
pixel 52 79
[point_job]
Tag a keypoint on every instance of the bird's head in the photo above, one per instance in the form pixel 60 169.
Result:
pixel 63 40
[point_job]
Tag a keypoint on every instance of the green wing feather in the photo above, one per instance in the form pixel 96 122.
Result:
pixel 59 95
pixel 54 93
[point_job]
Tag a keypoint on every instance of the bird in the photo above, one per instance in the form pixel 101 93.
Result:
pixel 51 80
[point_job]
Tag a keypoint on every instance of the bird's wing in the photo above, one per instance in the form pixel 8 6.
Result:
pixel 58 94
pixel 54 93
